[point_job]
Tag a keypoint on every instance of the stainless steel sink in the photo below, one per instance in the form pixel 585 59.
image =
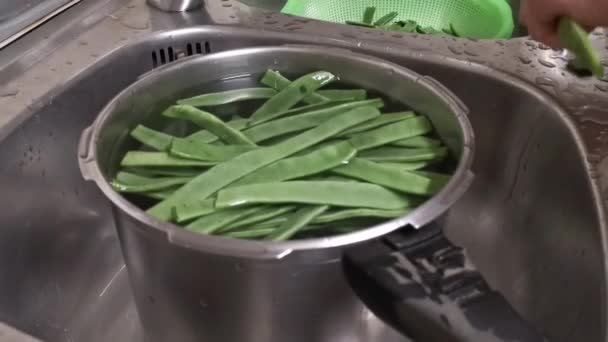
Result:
pixel 530 221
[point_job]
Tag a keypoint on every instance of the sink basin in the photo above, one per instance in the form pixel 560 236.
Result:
pixel 529 222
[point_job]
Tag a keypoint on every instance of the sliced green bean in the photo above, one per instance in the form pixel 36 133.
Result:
pixel 194 149
pixel 417 142
pixel 193 210
pixel 141 158
pixel 225 173
pixel 296 221
pixel 404 155
pixel 383 120
pixel 205 136
pixel 368 15
pixel 404 181
pixel 304 121
pixel 209 224
pixel 129 182
pixel 209 122
pixel 230 96
pixel 165 171
pixel 359 23
pixel 293 93
pixel 264 215
pixel 344 94
pixel 393 132
pixel 275 80
pixel 315 162
pixel 157 140
pixel 342 194
pixel 387 18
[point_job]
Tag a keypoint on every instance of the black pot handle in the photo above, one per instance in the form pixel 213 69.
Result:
pixel 422 285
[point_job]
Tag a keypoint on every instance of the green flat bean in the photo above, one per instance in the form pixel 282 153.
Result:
pixel 344 214
pixel 262 216
pixel 411 166
pixel 298 111
pixel 164 171
pixel 205 136
pixel 209 224
pixel 404 181
pixel 304 121
pixel 230 96
pixel 296 221
pixel 159 195
pixel 129 182
pixel 417 142
pixel 438 177
pixel 404 155
pixel 397 131
pixel 312 163
pixel 225 173
pixel 383 120
pixel 293 93
pixel 368 15
pixel 193 210
pixel 275 80
pixel 157 140
pixel 334 216
pixel 141 158
pixel 387 18
pixel 344 94
pixel 193 149
pixel 250 234
pixel 209 122
pixel 342 194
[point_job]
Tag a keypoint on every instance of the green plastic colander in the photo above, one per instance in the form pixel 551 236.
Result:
pixel 484 19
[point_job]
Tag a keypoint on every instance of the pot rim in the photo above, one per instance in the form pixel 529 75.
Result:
pixel 422 215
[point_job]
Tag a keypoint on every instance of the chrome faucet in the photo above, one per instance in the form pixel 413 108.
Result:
pixel 175 5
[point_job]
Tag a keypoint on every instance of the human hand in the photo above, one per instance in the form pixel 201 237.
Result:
pixel 542 16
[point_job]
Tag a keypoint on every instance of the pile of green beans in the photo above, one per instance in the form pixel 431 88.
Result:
pixel 387 23
pixel 307 162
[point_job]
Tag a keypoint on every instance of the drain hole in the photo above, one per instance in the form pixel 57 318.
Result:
pixel 163 58
pixel 154 59
pixel 171 55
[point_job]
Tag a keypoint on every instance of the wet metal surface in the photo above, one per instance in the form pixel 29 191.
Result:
pixel 549 262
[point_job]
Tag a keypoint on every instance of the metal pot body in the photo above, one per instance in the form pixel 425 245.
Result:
pixel 191 287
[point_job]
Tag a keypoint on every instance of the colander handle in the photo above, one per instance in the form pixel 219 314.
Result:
pixel 426 288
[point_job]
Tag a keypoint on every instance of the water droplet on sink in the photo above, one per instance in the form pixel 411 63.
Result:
pixel 549 82
pixel 601 87
pixel 546 63
pixel 455 50
pixel 10 93
pixel 525 60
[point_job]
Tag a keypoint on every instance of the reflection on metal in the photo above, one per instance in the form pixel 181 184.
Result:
pixel 175 5
pixel 29 18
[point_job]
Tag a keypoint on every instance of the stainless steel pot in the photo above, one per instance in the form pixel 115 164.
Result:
pixel 191 287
